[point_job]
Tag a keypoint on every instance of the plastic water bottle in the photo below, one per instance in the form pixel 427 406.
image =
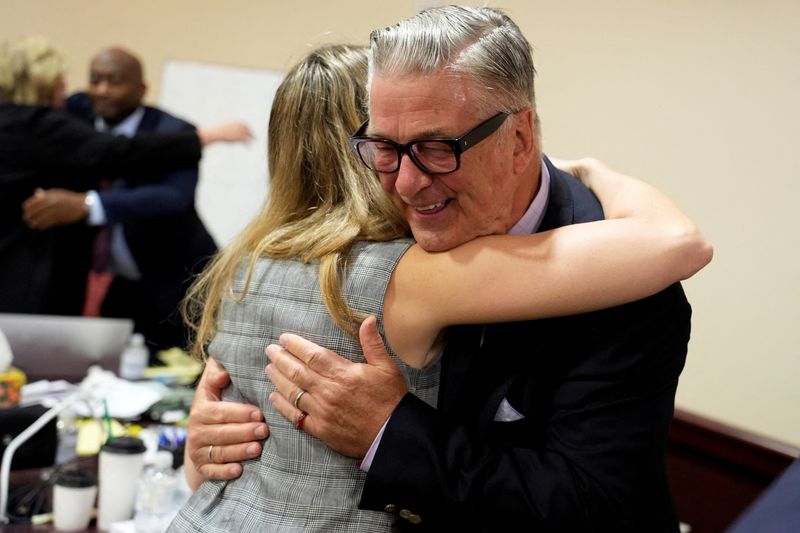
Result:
pixel 67 427
pixel 157 496
pixel 134 358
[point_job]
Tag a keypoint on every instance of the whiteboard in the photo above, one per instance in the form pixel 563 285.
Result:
pixel 233 177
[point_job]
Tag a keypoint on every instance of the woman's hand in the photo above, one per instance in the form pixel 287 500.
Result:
pixel 224 132
pixel 580 168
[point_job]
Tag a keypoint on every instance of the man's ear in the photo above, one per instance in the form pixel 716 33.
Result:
pixel 142 91
pixel 525 139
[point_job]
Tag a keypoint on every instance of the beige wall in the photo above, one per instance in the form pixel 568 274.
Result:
pixel 699 98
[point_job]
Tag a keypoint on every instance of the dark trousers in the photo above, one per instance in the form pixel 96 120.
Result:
pixel 161 330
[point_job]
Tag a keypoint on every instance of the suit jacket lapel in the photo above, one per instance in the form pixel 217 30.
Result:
pixel 560 205
pixel 149 121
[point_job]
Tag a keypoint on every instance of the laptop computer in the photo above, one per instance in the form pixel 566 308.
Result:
pixel 64 347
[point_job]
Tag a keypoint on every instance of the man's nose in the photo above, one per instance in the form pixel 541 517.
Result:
pixel 410 178
pixel 101 87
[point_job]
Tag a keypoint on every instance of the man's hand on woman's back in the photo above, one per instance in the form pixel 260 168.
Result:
pixel 220 434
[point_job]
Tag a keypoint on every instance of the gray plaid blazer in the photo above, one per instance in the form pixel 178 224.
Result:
pixel 298 483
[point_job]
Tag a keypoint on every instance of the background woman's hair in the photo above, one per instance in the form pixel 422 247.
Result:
pixel 30 70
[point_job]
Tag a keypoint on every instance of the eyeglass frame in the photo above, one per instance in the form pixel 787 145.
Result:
pixel 458 145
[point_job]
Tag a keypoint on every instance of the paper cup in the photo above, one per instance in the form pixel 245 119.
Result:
pixel 73 500
pixel 119 466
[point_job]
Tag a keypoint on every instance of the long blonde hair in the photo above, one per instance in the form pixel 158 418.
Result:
pixel 30 70
pixel 321 199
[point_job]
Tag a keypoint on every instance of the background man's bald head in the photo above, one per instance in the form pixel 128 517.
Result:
pixel 125 60
pixel 116 84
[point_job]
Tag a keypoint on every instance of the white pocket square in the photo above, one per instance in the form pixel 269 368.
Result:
pixel 506 413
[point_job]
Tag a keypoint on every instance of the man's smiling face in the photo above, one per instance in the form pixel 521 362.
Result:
pixel 486 195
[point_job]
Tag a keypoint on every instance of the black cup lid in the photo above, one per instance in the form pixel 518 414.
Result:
pixel 125 446
pixel 76 478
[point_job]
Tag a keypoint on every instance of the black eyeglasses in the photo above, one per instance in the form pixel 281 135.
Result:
pixel 434 156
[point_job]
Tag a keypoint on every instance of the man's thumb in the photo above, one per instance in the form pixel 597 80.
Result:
pixel 214 378
pixel 372 343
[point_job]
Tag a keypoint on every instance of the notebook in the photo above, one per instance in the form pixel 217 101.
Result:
pixel 64 347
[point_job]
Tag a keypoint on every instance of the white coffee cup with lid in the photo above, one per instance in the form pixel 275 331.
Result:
pixel 119 465
pixel 74 493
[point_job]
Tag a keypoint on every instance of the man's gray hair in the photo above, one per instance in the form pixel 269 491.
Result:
pixel 480 43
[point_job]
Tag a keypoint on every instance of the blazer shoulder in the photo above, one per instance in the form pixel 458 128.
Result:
pixel 156 119
pixel 569 202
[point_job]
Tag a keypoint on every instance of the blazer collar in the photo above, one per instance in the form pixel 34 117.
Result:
pixel 561 205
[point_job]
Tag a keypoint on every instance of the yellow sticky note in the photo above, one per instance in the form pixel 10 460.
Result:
pixel 179 367
pixel 92 435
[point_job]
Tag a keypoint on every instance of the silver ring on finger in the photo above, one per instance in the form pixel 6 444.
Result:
pixel 210 448
pixel 296 401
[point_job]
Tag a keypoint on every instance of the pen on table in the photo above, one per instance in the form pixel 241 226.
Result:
pixel 107 419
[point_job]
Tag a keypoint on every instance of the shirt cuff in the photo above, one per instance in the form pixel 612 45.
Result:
pixel 367 461
pixel 97 215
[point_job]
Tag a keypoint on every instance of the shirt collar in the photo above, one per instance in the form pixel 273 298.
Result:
pixel 126 128
pixel 532 218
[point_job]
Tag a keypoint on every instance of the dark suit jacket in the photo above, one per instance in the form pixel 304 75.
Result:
pixel 43 147
pixel 594 395
pixel 166 237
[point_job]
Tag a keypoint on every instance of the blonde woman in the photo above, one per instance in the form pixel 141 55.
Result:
pixel 329 249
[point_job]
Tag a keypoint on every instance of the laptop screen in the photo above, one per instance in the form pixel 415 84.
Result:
pixel 64 347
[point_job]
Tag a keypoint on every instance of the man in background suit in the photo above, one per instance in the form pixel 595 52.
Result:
pixel 150 232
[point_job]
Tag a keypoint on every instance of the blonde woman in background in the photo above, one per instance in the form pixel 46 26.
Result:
pixel 329 249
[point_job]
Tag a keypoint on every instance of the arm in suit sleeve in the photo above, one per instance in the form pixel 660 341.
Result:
pixel 172 195
pixel 67 145
pixel 588 454
pixel 159 195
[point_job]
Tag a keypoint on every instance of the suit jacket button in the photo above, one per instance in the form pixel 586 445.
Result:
pixel 390 508
pixel 405 513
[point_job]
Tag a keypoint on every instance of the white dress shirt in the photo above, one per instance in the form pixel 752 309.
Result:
pixel 121 262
